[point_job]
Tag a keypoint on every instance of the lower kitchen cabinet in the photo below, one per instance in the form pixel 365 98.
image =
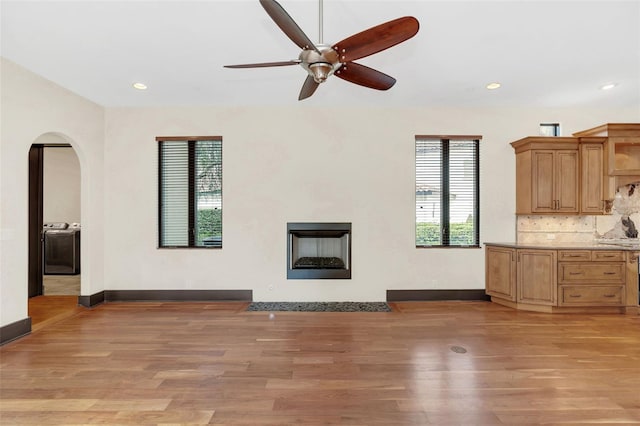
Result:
pixel 500 272
pixel 590 295
pixel 537 277
pixel 562 280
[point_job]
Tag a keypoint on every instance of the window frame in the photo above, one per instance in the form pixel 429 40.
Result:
pixel 191 206
pixel 445 224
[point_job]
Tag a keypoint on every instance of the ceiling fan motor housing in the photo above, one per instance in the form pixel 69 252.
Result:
pixel 320 65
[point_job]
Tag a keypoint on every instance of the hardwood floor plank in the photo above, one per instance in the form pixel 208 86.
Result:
pixel 214 363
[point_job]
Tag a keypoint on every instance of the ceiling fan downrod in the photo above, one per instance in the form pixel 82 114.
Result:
pixel 320 22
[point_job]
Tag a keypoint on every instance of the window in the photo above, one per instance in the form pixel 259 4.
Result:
pixel 190 192
pixel 447 191
pixel 550 129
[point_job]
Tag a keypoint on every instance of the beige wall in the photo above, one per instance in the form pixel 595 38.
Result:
pixel 61 181
pixel 30 108
pixel 305 164
pixel 296 163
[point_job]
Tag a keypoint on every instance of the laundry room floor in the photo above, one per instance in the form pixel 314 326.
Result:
pixel 61 285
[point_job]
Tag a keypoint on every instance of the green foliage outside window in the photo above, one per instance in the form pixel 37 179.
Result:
pixel 209 223
pixel 428 234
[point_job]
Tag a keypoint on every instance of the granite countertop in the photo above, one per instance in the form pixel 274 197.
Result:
pixel 569 246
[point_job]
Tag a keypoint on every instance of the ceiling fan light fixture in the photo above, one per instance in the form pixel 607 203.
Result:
pixel 493 86
pixel 139 86
pixel 320 71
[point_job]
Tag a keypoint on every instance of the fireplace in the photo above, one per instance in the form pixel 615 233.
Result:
pixel 318 250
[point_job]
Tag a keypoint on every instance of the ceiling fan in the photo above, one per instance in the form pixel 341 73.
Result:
pixel 322 60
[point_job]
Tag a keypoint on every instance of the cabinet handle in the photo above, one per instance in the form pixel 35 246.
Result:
pixel 609 295
pixel 572 255
pixel 609 273
pixel 575 273
pixel 606 255
pixel 575 295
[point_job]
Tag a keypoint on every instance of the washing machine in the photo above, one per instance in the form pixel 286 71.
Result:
pixel 61 249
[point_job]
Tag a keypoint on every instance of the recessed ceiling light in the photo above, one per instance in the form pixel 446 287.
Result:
pixel 493 86
pixel 140 86
pixel 608 86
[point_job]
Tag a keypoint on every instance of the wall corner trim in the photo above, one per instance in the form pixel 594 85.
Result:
pixel 15 330
pixel 92 300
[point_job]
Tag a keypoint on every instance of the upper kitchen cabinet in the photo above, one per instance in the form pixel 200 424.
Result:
pixel 547 175
pixel 622 147
pixel 594 184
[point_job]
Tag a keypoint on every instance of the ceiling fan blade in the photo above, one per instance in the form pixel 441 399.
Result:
pixel 265 64
pixel 288 25
pixel 377 39
pixel 365 76
pixel 308 88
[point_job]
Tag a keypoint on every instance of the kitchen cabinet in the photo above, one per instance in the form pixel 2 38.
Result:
pixel 547 175
pixel 591 278
pixel 500 272
pixel 594 188
pixel 622 147
pixel 537 277
pixel 562 280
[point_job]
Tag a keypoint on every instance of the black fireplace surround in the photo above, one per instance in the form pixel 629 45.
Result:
pixel 318 250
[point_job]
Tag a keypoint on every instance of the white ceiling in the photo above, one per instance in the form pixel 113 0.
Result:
pixel 545 53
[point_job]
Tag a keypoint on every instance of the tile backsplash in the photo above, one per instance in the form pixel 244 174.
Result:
pixel 582 229
pixel 555 229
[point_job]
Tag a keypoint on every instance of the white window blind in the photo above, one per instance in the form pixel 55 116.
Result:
pixel 174 201
pixel 447 192
pixel 190 193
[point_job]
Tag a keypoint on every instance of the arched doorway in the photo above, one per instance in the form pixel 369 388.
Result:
pixel 54 226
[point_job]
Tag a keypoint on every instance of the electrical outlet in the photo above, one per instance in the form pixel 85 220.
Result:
pixel 551 236
pixel 270 287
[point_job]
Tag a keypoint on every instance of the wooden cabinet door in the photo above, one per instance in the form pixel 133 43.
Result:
pixel 537 277
pixel 500 272
pixel 567 181
pixel 592 191
pixel 543 182
pixel 555 181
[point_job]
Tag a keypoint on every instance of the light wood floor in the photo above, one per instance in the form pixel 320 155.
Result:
pixel 213 363
pixel 61 285
pixel 47 310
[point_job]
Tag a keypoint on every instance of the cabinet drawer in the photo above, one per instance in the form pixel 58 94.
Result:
pixel 591 273
pixel 593 295
pixel 607 256
pixel 574 255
